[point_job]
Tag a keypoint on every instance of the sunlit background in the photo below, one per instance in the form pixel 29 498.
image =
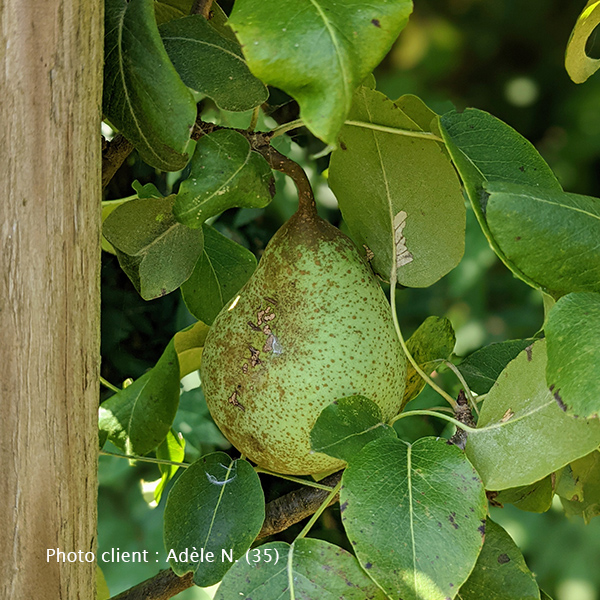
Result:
pixel 505 57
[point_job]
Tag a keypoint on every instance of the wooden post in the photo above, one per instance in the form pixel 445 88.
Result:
pixel 50 96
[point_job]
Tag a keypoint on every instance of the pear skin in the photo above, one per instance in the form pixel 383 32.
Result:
pixel 310 326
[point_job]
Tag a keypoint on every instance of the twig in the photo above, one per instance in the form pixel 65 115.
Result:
pixel 462 412
pixel 113 155
pixel 202 7
pixel 279 515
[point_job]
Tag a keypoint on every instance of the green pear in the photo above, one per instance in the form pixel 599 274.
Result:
pixel 310 326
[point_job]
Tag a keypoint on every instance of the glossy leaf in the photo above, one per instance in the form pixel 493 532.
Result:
pixel 573 336
pixel 482 368
pixel 586 472
pixel 309 569
pixel 550 236
pixel 484 149
pixel 536 497
pixel 415 515
pixel 212 64
pixel 431 343
pixel 156 252
pixel 318 51
pixel 222 269
pixel 578 64
pixel 138 418
pixel 397 194
pixel 216 505
pixel 225 172
pixel 171 448
pixel 500 572
pixel 144 97
pixel 524 435
pixel 346 425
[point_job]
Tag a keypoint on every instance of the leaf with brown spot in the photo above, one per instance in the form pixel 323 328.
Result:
pixel 500 572
pixel 319 571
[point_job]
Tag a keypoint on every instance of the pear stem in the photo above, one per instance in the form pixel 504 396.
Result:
pixel 283 164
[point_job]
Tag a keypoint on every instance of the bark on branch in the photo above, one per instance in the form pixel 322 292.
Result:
pixel 279 515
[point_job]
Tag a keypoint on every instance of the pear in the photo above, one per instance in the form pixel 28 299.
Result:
pixel 310 326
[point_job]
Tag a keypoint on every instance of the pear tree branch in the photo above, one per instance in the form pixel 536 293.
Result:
pixel 280 514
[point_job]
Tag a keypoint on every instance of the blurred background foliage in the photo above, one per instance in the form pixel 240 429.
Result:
pixel 505 57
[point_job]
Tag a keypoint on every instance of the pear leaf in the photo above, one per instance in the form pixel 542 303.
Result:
pixel 167 10
pixel 204 513
pixel 586 472
pixel 483 150
pixel 318 51
pixel 309 569
pixel 431 343
pixel 536 497
pixel 144 97
pixel 415 515
pixel 522 433
pixel 212 64
pixel 221 271
pixel 156 252
pixel 573 336
pixel 172 448
pixel 413 193
pixel 346 425
pixel 482 368
pixel 225 172
pixel 139 417
pixel 188 345
pixel 550 236
pixel 578 64
pixel 500 572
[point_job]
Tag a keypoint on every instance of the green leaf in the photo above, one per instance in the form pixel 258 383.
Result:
pixel 500 572
pixel 578 64
pixel 484 149
pixel 346 425
pixel 217 505
pixel 536 497
pixel 482 368
pixel 544 596
pixel 431 343
pixel 225 172
pixel 171 448
pixel 167 10
pixel 397 194
pixel 550 236
pixel 308 569
pixel 415 515
pixel 138 418
pixel 523 435
pixel 212 64
pixel 149 190
pixel 102 591
pixel 573 336
pixel 143 95
pixel 189 344
pixel 586 472
pixel 567 486
pixel 318 51
pixel 156 252
pixel 221 271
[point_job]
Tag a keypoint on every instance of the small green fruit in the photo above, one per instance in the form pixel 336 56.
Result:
pixel 310 326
